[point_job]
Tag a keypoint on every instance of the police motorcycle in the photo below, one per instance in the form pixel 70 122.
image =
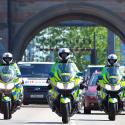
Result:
pixel 111 92
pixel 65 92
pixel 9 94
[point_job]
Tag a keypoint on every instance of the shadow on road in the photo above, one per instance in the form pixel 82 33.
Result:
pixel 2 119
pixel 89 120
pixel 92 114
pixel 44 123
pixel 35 106
pixel 121 114
pixel 98 114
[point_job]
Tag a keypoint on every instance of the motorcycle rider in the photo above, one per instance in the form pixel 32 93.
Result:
pixel 112 61
pixel 64 55
pixel 7 60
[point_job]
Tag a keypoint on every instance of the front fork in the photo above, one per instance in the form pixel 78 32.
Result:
pixel 73 104
pixel 65 100
pixel 106 100
pixel 5 99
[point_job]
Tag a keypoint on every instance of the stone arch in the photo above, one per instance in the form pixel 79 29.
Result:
pixel 66 11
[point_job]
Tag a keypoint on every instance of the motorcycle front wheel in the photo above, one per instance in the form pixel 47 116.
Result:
pixel 112 111
pixel 87 110
pixel 7 110
pixel 65 113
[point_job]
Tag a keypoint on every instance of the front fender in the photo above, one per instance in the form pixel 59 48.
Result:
pixel 65 100
pixel 123 84
pixel 113 100
pixel 6 99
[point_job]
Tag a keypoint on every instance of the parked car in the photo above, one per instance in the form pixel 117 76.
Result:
pixel 90 95
pixel 35 75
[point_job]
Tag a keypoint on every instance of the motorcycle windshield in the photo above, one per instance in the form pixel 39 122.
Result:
pixel 66 71
pixel 113 75
pixel 7 73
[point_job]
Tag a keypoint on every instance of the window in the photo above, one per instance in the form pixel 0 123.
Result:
pixel 94 80
pixel 34 70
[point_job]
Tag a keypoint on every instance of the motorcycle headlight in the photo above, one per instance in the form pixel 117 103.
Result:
pixel 60 85
pixel 112 88
pixel 2 86
pixel 107 87
pixel 66 86
pixel 70 85
pixel 10 86
pixel 116 87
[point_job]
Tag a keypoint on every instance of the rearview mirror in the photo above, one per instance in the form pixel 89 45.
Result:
pixel 22 82
pixel 19 76
pixel 51 74
pixel 100 77
pixel 79 74
pixel 123 77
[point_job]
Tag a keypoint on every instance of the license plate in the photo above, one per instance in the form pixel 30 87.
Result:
pixel 36 96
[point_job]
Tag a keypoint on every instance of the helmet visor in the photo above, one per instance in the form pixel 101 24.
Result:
pixel 112 61
pixel 64 55
pixel 7 59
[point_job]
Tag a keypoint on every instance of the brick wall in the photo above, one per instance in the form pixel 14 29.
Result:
pixel 24 10
pixel 3 26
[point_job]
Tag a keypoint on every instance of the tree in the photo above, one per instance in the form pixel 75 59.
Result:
pixel 73 37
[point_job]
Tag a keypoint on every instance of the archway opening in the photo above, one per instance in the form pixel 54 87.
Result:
pixel 56 14
pixel 82 37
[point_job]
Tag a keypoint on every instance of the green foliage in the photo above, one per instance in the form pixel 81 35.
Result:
pixel 118 49
pixel 74 37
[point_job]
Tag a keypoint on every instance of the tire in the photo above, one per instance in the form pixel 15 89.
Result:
pixel 25 103
pixel 6 110
pixel 112 111
pixel 80 107
pixel 112 117
pixel 65 113
pixel 87 111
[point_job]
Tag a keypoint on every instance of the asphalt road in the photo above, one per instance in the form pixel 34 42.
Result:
pixel 42 115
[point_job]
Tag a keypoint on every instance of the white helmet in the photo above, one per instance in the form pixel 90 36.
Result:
pixel 112 59
pixel 64 53
pixel 7 58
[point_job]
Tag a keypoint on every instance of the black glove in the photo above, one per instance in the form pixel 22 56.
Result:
pixel 49 87
pixel 82 86
pixel 98 88
pixel 47 81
